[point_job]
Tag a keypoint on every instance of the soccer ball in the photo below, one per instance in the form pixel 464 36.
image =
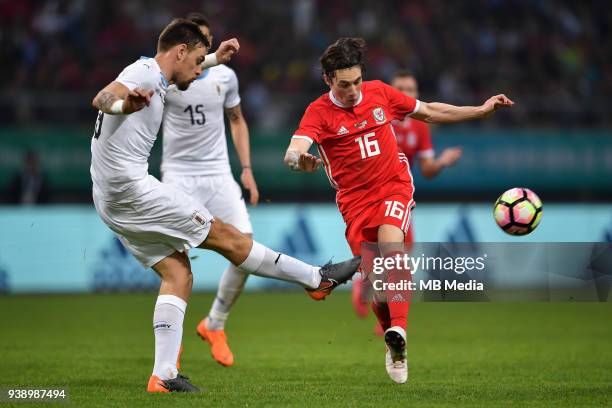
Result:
pixel 518 211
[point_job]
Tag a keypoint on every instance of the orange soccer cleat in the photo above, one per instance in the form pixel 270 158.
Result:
pixel 219 349
pixel 178 384
pixel 156 385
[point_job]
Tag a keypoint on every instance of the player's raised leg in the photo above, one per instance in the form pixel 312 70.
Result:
pixel 255 258
pixel 174 292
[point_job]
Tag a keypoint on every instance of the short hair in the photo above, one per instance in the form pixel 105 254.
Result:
pixel 199 18
pixel 403 73
pixel 344 53
pixel 181 31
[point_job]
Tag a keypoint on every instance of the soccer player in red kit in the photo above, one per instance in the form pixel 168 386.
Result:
pixel 351 125
pixel 413 136
pixel 414 141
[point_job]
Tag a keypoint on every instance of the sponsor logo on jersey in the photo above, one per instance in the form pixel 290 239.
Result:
pixel 379 115
pixel 342 130
pixel 361 125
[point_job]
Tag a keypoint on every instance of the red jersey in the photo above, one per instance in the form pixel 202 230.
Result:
pixel 357 144
pixel 413 138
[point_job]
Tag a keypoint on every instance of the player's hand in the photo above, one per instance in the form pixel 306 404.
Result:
pixel 494 103
pixel 450 156
pixel 136 99
pixel 226 50
pixel 309 163
pixel 248 182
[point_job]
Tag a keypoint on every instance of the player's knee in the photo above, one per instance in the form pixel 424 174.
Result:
pixel 175 270
pixel 186 277
pixel 182 278
pixel 227 239
pixel 236 240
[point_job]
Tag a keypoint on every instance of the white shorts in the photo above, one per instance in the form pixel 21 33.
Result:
pixel 220 194
pixel 153 219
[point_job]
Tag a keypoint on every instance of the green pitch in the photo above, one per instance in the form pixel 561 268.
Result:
pixel 291 351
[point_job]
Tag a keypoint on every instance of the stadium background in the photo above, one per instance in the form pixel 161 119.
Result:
pixel 553 58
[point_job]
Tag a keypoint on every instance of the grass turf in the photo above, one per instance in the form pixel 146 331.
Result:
pixel 291 351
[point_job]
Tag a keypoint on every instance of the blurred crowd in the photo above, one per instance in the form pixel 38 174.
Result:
pixel 552 57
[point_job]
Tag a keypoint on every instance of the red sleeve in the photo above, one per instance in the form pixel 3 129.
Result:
pixel 311 126
pixel 425 146
pixel 399 104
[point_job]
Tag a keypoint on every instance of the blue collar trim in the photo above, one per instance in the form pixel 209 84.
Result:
pixel 163 78
pixel 203 75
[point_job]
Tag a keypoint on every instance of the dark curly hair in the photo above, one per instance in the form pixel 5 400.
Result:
pixel 344 53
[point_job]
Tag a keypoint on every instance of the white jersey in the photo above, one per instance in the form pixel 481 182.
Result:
pixel 194 127
pixel 121 144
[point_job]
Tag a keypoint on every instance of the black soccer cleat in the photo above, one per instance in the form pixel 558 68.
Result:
pixel 333 275
pixel 178 384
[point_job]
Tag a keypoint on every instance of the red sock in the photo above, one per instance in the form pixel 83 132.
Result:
pixel 399 313
pixel 398 301
pixel 382 314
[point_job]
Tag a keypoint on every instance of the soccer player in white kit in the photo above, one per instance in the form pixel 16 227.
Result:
pixel 157 222
pixel 195 159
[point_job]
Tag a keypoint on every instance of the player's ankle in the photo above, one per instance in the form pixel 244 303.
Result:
pixel 401 322
pixel 215 324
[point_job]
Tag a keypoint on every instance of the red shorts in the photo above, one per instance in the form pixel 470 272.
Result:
pixel 394 210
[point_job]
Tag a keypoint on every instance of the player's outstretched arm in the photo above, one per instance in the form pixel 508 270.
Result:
pixel 240 136
pixel 117 99
pixel 436 112
pixel 223 55
pixel 297 157
pixel 431 167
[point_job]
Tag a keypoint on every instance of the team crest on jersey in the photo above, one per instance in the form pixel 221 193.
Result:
pixel 198 219
pixel 379 115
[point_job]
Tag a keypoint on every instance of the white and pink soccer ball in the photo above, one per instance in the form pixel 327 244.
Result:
pixel 518 211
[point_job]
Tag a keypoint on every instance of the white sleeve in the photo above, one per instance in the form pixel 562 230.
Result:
pixel 232 97
pixel 136 75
